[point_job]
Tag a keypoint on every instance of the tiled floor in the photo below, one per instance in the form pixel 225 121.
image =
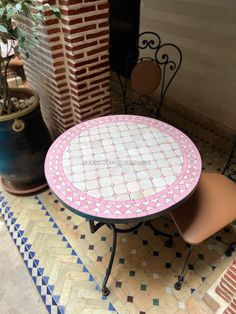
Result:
pixel 18 293
pixel 67 262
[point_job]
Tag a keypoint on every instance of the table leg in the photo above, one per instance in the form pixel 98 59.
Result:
pixel 105 290
pixel 94 227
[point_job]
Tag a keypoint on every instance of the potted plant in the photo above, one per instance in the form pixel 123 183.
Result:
pixel 24 138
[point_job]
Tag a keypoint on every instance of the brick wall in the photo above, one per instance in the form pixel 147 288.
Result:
pixel 70 67
pixel 227 288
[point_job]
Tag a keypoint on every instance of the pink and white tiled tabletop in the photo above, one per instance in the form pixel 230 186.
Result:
pixel 122 168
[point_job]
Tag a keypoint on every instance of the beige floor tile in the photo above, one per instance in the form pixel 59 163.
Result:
pixel 18 294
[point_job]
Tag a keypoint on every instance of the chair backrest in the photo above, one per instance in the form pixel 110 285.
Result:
pixel 150 65
pixel 229 169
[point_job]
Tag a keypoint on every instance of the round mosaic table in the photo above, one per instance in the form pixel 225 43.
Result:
pixel 122 169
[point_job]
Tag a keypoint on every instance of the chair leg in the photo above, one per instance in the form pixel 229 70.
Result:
pixel 217 238
pixel 230 249
pixel 178 284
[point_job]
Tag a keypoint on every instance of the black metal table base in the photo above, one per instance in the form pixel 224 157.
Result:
pixel 94 227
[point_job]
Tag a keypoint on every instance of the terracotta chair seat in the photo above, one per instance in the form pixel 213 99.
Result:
pixel 208 210
pixel 211 208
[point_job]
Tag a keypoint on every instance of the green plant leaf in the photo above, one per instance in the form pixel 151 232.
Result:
pixel 56 12
pixel 18 7
pixel 16 32
pixel 38 16
pixel 39 7
pixel 10 13
pixel 3 29
pixel 2 10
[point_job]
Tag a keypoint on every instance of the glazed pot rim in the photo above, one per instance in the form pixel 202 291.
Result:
pixel 23 112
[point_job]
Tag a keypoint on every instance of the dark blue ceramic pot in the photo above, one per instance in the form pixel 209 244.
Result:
pixel 24 141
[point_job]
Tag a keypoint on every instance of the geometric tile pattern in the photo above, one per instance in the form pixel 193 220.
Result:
pixel 144 270
pixel 33 265
pixel 122 167
pixel 38 268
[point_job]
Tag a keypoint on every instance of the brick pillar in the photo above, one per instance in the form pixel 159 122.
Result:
pixel 70 67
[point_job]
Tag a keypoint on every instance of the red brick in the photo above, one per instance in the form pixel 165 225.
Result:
pixel 83 46
pixel 58 55
pixel 103 57
pixel 82 86
pixel 79 30
pixel 53 31
pixel 58 63
pixel 231 275
pixel 106 97
pixel 233 305
pixel 230 310
pixel 222 293
pixel 94 102
pixel 60 78
pixel 226 289
pixel 94 114
pixel 230 286
pixel 92 75
pixel 87 28
pixel 72 22
pixel 99 66
pixel 78 56
pixel 81 10
pixel 105 84
pixel 53 39
pixel 98 94
pixel 57 47
pixel 86 62
pixel 104 79
pixel 57 71
pixel 101 105
pixel 81 93
pixel 97 34
pixel 96 17
pixel 70 2
pixel 103 24
pixel 73 71
pixel 103 6
pixel 104 41
pixel 51 22
pixel 74 40
pixel 95 51
pixel 61 85
pixel 83 99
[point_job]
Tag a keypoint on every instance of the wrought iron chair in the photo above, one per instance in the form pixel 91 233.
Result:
pixel 211 208
pixel 229 169
pixel 147 66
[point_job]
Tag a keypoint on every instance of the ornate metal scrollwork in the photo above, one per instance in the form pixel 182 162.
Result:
pixel 230 166
pixel 171 62
pixel 153 43
pixel 168 56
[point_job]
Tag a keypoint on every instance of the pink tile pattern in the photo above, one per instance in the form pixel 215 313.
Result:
pixel 122 167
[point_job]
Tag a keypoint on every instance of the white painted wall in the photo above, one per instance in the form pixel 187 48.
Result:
pixel 205 30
